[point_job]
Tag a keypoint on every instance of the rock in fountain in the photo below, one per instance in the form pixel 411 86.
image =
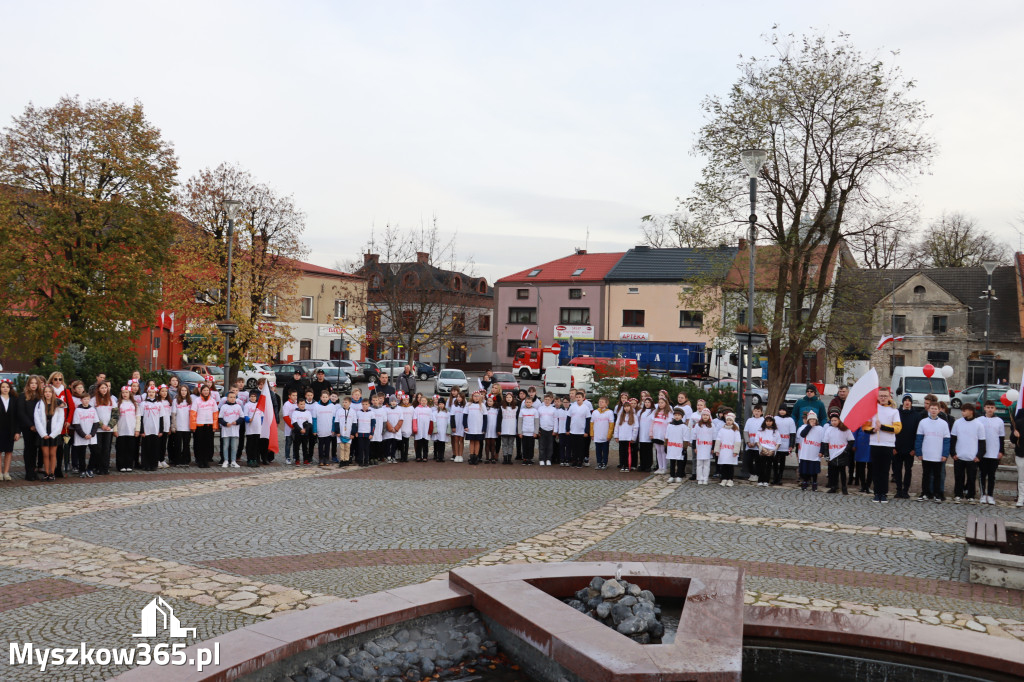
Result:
pixel 623 606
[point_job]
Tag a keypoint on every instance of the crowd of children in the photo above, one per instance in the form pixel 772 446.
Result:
pixel 71 429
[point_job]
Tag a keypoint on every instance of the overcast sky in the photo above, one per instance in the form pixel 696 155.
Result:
pixel 520 125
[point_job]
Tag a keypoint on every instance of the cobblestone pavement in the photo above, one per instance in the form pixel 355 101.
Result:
pixel 81 557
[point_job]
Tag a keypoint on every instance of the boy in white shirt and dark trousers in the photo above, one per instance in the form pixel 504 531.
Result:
pixel 85 423
pixel 323 425
pixel 995 435
pixel 302 424
pixel 932 447
pixel 967 445
pixel 787 436
pixel 528 426
pixel 602 428
pixel 548 414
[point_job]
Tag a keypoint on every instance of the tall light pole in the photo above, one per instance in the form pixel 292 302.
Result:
pixel 892 326
pixel 753 160
pixel 230 207
pixel 990 267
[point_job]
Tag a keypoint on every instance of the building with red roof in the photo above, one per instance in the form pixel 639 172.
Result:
pixel 551 301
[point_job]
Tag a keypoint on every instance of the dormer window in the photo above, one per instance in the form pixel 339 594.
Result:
pixel 577 272
pixel 533 273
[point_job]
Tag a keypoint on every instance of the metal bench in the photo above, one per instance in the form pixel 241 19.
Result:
pixel 986 531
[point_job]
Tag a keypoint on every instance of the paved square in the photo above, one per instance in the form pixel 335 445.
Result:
pixel 81 558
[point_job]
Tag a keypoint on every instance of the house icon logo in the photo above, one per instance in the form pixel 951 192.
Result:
pixel 158 615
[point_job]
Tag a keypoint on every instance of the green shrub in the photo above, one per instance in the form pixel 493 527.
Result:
pixel 653 384
pixel 76 362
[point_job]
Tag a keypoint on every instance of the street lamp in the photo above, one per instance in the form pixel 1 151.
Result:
pixel 990 267
pixel 753 160
pixel 230 207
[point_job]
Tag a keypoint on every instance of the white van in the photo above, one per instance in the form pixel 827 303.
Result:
pixel 558 380
pixel 912 381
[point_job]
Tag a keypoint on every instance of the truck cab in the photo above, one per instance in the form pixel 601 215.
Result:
pixel 530 363
pixel 912 381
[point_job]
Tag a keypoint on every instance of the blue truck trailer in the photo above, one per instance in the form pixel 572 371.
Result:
pixel 675 359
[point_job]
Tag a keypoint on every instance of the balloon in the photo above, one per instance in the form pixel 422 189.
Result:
pixel 1011 395
pixel 928 370
pixel 947 371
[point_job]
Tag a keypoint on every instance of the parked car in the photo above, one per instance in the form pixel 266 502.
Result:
pixel 558 380
pixel 370 371
pixel 284 373
pixel 188 377
pixel 760 394
pixel 392 367
pixel 973 395
pixel 351 368
pixel 507 381
pixel 448 379
pixel 256 371
pixel 312 365
pixel 424 370
pixel 338 377
pixel 213 370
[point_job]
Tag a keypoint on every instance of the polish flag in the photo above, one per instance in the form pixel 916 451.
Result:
pixel 862 403
pixel 161 318
pixel 266 405
pixel 527 333
pixel 888 338
pixel 172 323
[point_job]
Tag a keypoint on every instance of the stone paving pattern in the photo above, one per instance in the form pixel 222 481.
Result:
pixel 81 557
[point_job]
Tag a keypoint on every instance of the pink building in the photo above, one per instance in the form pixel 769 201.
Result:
pixel 555 300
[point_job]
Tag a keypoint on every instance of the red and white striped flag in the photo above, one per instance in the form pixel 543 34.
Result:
pixel 862 403
pixel 172 323
pixel 888 338
pixel 527 333
pixel 266 405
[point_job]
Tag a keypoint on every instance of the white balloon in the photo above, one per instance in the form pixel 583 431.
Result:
pixel 947 371
pixel 1012 395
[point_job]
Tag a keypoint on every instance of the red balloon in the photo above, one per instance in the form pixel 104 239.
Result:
pixel 928 370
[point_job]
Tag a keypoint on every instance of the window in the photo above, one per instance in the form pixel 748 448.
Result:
pixel 533 273
pixel 306 307
pixel 522 315
pixel 483 323
pixel 899 324
pixel 458 323
pixel 305 349
pixel 741 317
pixel 919 290
pixel 373 325
pixel 632 318
pixel 574 316
pixel 939 324
pixel 456 283
pixel 938 357
pixel 575 293
pixel 340 309
pixel 896 361
pixel 522 294
pixel 457 353
pixel 407 322
pixel 633 290
pixel 577 272
pixel 375 282
pixel 516 344
pixel 269 307
pixel 691 318
pixel 998 370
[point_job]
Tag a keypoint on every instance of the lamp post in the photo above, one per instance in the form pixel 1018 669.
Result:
pixel 753 160
pixel 892 326
pixel 227 326
pixel 990 267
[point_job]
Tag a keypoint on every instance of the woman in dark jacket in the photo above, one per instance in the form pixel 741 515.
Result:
pixel 903 460
pixel 10 426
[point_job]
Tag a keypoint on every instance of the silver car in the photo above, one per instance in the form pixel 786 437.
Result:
pixel 449 379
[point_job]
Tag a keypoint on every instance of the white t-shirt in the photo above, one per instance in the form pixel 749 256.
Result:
pixel 601 425
pixel 703 438
pixel 810 445
pixel 750 430
pixel 886 416
pixel 528 421
pixel 934 431
pixel 968 435
pixel 548 417
pixel 994 429
pixel 577 416
pixel 787 428
pixel 730 441
pixel 230 413
pixel 675 437
pixel 837 440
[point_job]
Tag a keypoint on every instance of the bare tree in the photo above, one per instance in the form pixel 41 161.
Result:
pixel 677 230
pixel 883 238
pixel 840 128
pixel 419 296
pixel 956 241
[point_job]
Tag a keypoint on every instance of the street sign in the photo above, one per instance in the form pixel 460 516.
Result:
pixel 556 348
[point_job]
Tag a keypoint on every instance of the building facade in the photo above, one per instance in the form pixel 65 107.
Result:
pixel 327 318
pixel 554 301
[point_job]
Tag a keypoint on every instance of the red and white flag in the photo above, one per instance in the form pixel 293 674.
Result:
pixel 161 318
pixel 172 323
pixel 266 405
pixel 862 403
pixel 527 333
pixel 888 338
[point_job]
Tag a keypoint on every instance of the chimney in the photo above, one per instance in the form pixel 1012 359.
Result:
pixel 581 252
pixel 371 258
pixel 743 243
pixel 422 257
pixel 642 247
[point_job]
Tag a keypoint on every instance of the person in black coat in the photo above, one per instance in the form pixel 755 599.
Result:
pixel 320 384
pixel 10 426
pixel 903 461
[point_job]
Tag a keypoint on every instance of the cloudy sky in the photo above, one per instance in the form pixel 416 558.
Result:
pixel 523 126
